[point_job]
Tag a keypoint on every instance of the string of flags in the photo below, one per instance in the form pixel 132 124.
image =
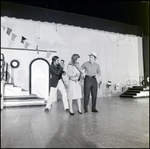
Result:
pixel 23 39
pixel 9 32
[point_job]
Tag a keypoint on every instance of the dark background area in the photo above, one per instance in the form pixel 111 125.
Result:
pixel 129 12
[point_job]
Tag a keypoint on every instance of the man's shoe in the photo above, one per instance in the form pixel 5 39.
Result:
pixel 85 111
pixel 46 110
pixel 94 111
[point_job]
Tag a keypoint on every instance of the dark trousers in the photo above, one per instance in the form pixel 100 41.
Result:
pixel 90 86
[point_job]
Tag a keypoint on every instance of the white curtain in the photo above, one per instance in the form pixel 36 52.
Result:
pixel 119 55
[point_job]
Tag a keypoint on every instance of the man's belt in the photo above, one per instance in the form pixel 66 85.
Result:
pixel 90 76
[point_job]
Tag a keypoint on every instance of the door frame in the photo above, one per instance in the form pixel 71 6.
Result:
pixel 30 73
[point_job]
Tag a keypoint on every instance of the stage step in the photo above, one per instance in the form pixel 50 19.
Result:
pixel 11 101
pixel 136 91
pixel 30 102
pixel 12 90
pixel 18 99
pixel 139 87
pixel 130 93
pixel 128 96
pixel 17 96
pixel 21 97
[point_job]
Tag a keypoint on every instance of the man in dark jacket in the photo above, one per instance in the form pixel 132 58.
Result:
pixel 56 71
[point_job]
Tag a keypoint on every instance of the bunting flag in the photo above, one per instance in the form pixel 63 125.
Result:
pixel 48 54
pixel 37 49
pixel 22 39
pixel 10 43
pixel 3 27
pixel 26 45
pixel 9 30
pixel 13 37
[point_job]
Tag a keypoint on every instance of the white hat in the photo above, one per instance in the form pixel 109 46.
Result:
pixel 93 54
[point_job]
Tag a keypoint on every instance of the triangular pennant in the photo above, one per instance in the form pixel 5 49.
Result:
pixel 10 43
pixel 22 39
pixel 9 30
pixel 26 45
pixel 13 37
pixel 3 27
pixel 48 54
pixel 37 49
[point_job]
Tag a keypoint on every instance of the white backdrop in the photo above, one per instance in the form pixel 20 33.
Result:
pixel 119 55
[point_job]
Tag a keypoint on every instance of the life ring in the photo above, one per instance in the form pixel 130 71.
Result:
pixel 14 63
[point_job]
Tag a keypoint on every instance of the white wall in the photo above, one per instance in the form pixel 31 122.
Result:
pixel 120 56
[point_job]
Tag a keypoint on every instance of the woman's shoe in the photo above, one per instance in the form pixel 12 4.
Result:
pixel 71 113
pixel 79 112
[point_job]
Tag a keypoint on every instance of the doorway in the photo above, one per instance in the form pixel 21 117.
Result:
pixel 39 76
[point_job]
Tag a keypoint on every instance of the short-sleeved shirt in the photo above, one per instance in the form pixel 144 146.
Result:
pixel 91 69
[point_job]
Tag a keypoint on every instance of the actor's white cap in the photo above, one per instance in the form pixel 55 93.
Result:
pixel 93 54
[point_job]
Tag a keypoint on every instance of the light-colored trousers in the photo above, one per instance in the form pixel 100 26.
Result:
pixel 53 95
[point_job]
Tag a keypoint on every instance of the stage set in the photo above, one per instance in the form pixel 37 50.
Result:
pixel 27 50
pixel 27 47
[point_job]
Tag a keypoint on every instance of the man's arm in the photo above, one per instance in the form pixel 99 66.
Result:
pixel 98 71
pixel 83 66
pixel 56 72
pixel 83 70
pixel 79 68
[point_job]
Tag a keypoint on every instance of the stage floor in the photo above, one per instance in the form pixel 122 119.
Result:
pixel 120 123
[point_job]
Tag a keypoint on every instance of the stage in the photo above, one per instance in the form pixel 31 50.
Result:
pixel 120 123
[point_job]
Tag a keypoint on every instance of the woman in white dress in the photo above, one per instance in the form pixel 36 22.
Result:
pixel 74 73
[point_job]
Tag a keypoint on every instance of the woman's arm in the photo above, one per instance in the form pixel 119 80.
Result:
pixel 74 78
pixel 79 68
